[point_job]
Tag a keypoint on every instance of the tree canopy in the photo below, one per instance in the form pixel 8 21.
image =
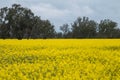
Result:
pixel 19 22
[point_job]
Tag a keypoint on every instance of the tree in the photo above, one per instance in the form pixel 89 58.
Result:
pixel 59 35
pixel 107 28
pixel 42 29
pixel 15 21
pixel 116 33
pixel 84 28
pixel 65 29
pixel 48 29
pixel 19 22
pixel 4 29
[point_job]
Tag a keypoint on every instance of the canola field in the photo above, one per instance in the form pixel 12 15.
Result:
pixel 53 59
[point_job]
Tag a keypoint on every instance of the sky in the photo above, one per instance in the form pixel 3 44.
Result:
pixel 60 12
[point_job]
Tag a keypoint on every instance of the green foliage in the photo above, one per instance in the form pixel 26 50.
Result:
pixel 84 28
pixel 107 28
pixel 19 22
pixel 65 29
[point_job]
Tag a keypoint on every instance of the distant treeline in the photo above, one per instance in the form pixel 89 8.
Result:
pixel 19 22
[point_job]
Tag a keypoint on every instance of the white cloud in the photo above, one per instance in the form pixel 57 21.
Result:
pixel 49 11
pixel 59 15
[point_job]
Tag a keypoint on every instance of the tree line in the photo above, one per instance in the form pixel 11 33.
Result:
pixel 21 23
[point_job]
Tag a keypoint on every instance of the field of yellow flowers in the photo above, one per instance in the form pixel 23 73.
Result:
pixel 53 59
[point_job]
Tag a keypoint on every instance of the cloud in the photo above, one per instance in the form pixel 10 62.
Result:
pixel 49 11
pixel 66 11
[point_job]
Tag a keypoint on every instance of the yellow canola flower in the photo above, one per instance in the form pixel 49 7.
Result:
pixel 53 59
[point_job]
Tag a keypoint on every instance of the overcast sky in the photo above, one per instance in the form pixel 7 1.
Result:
pixel 66 11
